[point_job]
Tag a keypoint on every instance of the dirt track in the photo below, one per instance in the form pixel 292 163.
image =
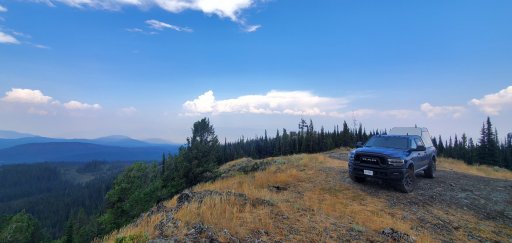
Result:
pixel 452 203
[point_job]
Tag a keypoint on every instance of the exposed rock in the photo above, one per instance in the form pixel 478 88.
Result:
pixel 278 188
pixel 397 235
pixel 199 232
pixel 248 165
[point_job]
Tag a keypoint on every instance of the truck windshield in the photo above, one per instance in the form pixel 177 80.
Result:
pixel 388 142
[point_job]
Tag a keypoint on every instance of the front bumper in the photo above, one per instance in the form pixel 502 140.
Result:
pixel 378 173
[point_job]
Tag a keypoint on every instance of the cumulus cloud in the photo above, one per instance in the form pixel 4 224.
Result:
pixel 273 102
pixel 39 104
pixel 3 9
pixel 76 105
pixel 434 111
pixel 159 25
pixel 16 95
pixel 493 104
pixel 8 39
pixel 223 8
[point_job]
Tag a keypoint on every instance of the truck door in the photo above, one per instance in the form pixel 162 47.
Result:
pixel 416 155
pixel 423 155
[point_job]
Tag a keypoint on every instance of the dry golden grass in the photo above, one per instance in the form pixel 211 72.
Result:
pixel 226 212
pixel 316 206
pixel 479 170
pixel 314 202
pixel 145 227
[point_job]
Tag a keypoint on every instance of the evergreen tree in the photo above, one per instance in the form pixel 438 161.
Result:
pixel 345 135
pixel 492 145
pixel 440 151
pixel 163 164
pixel 483 146
pixel 202 153
pixel 21 228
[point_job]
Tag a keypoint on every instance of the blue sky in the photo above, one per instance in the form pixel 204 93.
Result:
pixel 138 67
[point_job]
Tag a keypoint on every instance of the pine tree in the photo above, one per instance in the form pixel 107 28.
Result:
pixel 482 145
pixel 492 145
pixel 441 146
pixel 471 151
pixel 163 164
pixel 345 135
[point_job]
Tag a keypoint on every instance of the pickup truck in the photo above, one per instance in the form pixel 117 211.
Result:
pixel 396 157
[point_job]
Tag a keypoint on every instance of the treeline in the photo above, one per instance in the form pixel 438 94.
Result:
pixel 487 151
pixel 305 140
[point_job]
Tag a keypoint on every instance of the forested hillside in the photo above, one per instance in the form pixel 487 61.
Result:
pixel 53 194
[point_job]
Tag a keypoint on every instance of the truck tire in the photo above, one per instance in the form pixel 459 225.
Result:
pixel 430 171
pixel 357 179
pixel 407 183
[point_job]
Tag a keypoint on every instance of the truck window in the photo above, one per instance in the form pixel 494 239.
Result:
pixel 413 144
pixel 388 142
pixel 419 142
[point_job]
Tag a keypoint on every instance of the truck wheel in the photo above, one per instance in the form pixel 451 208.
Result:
pixel 406 185
pixel 430 171
pixel 357 179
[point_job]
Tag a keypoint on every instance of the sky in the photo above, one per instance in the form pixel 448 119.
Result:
pixel 150 68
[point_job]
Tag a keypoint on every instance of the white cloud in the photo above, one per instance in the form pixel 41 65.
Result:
pixel 273 102
pixel 223 8
pixel 251 28
pixel 8 39
pixel 26 96
pixel 127 111
pixel 41 104
pixel 40 46
pixel 135 30
pixel 3 9
pixel 493 104
pixel 76 105
pixel 159 25
pixel 434 111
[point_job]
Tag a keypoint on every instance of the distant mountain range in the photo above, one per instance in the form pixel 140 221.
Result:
pixel 27 148
pixel 12 134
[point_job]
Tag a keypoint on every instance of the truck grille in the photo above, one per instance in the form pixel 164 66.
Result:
pixel 371 159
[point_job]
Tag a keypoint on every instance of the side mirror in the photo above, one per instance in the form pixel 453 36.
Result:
pixel 421 148
pixel 359 144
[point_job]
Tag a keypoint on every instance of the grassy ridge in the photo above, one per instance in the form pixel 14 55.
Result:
pixel 313 202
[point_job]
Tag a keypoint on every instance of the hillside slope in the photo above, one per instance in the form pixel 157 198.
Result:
pixel 310 198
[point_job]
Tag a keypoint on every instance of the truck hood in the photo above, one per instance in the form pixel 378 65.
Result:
pixel 389 152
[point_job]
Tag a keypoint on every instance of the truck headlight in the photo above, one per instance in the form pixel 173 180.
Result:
pixel 396 162
pixel 351 156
